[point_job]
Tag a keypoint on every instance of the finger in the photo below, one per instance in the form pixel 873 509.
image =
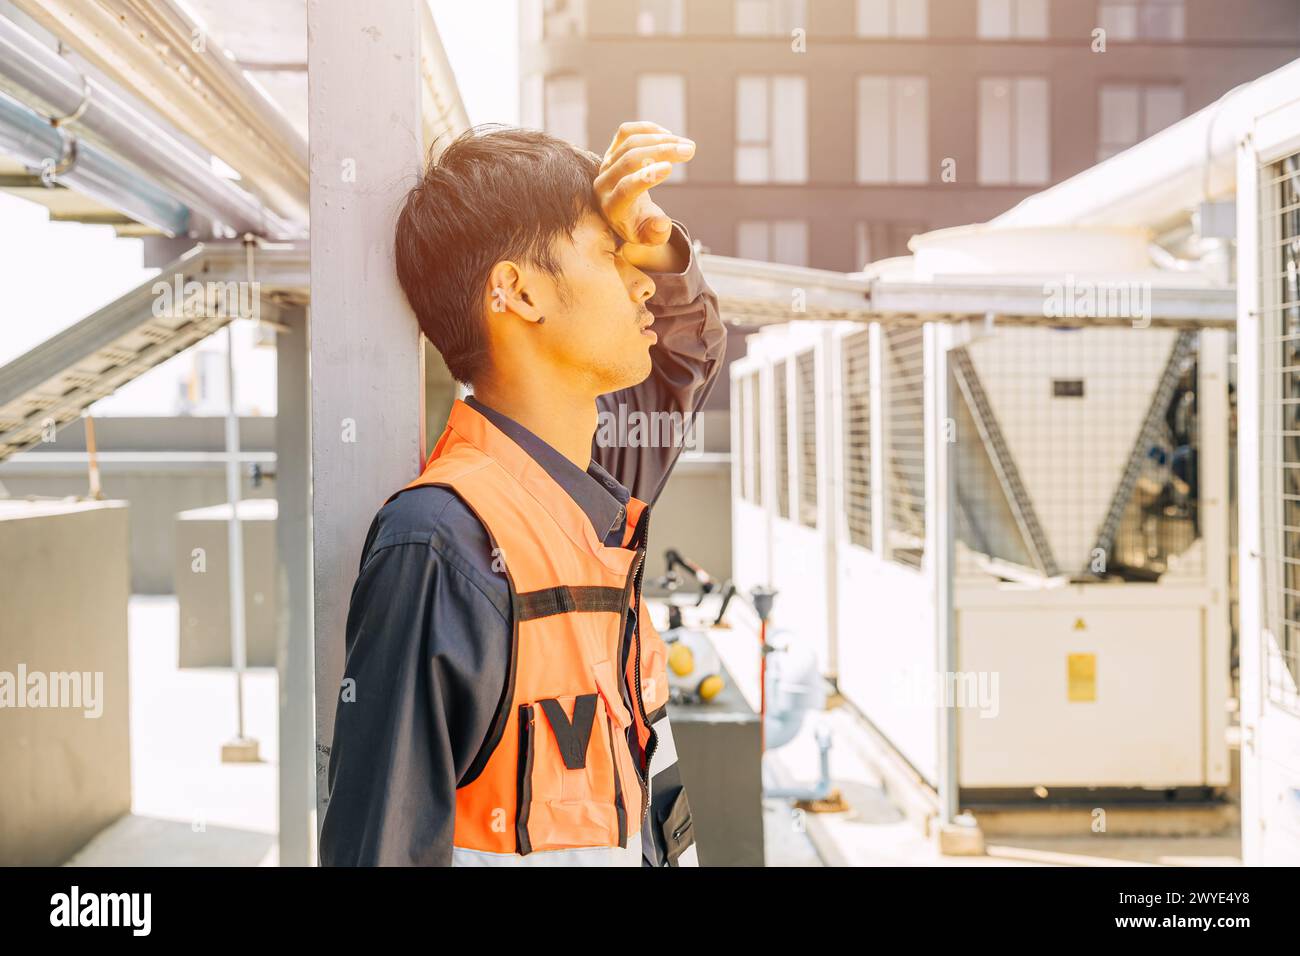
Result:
pixel 631 128
pixel 641 139
pixel 637 140
pixel 636 161
pixel 650 227
pixel 631 187
pixel 655 228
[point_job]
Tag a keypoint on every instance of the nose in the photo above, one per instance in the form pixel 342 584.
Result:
pixel 641 287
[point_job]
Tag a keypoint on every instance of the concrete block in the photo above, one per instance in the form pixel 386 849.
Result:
pixel 202 575
pixel 64 706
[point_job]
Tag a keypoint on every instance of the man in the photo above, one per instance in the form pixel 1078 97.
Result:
pixel 510 691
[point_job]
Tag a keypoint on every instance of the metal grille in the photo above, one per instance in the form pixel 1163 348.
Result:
pixel 904 396
pixel 806 408
pixel 754 463
pixel 857 437
pixel 782 412
pixel 739 446
pixel 1280 427
pixel 1077 451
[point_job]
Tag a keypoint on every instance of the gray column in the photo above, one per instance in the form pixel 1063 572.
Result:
pixel 364 126
pixel 294 653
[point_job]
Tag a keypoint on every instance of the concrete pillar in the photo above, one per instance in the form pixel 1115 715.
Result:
pixel 294 653
pixel 363 70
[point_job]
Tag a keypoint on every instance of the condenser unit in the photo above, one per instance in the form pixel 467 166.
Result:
pixel 1090 515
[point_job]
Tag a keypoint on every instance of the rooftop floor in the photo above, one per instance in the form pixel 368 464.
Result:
pixel 190 809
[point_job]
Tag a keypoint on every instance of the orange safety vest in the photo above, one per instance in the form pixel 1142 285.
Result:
pixel 557 772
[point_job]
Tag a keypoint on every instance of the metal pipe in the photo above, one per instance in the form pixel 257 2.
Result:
pixel 153 54
pixel 36 74
pixel 28 137
pixel 235 533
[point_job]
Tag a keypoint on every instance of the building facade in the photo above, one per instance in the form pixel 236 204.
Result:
pixel 831 131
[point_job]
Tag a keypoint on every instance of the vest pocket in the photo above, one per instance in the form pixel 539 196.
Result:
pixel 678 829
pixel 568 783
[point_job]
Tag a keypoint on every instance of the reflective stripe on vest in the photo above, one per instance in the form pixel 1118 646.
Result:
pixel 556 772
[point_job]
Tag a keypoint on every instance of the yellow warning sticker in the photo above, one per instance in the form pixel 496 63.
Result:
pixel 1082 672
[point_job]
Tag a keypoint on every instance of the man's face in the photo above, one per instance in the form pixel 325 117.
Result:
pixel 596 312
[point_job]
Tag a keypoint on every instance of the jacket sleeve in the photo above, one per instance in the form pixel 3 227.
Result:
pixel 426 655
pixel 686 360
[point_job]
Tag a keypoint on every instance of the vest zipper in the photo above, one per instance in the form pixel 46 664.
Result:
pixel 653 742
pixel 524 783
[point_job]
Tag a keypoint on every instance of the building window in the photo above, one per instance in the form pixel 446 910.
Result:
pixel 769 17
pixel 659 17
pixel 784 241
pixel 884 240
pixel 1130 112
pixel 771 129
pixel 893 129
pixel 661 98
pixel 563 18
pixel 564 108
pixel 1013 19
pixel 1143 19
pixel 1014 133
pixel 893 18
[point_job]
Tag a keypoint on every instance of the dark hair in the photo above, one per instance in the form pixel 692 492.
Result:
pixel 495 193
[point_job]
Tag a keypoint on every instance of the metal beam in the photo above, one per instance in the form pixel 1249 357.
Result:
pixel 294 656
pixel 1024 304
pixel 52 384
pixel 366 354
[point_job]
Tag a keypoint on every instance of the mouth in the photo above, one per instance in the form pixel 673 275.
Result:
pixel 647 320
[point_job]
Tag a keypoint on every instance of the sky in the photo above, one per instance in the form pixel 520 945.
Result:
pixel 53 274
pixel 482 43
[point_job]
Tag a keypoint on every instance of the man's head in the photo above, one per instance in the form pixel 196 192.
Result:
pixel 512 270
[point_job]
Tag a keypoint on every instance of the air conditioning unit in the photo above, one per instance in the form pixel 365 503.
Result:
pixel 1090 515
pixel 1091 537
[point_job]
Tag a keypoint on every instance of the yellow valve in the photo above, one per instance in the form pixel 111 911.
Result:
pixel 711 687
pixel 680 659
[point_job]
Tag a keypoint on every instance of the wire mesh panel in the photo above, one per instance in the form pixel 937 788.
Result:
pixel 856 360
pixel 755 439
pixel 987 520
pixel 806 408
pixel 780 392
pixel 1077 451
pixel 747 450
pixel 904 398
pixel 740 442
pixel 1280 427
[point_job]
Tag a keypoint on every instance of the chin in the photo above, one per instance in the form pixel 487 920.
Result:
pixel 633 373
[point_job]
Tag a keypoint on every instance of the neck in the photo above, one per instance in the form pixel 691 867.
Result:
pixel 564 420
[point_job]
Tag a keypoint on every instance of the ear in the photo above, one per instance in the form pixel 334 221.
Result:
pixel 508 291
